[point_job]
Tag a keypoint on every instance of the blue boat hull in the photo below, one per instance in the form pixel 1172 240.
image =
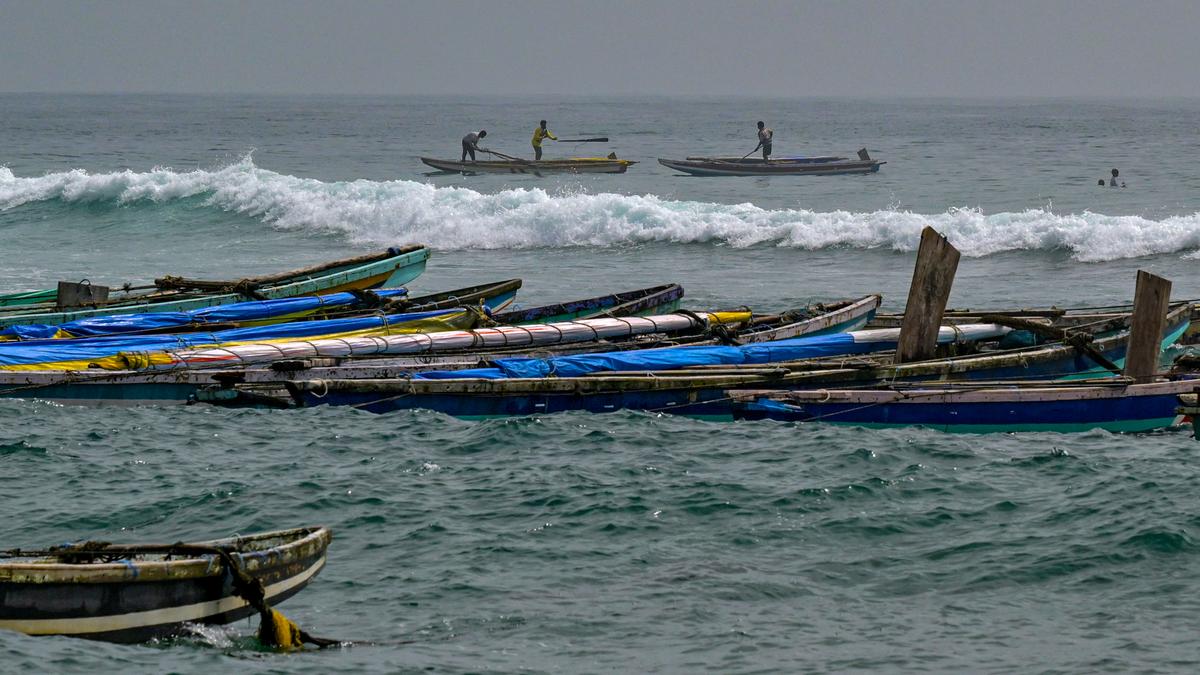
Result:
pixel 1127 414
pixel 689 400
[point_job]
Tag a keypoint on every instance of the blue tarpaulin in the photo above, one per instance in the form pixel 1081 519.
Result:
pixel 673 358
pixel 54 351
pixel 256 310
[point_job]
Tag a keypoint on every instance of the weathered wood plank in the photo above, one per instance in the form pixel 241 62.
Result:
pixel 1150 301
pixel 933 275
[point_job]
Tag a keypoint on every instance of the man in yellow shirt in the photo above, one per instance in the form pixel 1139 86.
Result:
pixel 540 134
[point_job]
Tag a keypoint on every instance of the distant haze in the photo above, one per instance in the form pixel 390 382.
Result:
pixel 1102 48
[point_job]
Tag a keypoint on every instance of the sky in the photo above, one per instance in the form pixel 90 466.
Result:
pixel 851 48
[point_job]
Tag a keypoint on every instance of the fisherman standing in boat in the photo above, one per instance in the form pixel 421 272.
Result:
pixel 539 134
pixel 470 144
pixel 765 136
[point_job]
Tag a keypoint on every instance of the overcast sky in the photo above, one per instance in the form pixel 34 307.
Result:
pixel 827 48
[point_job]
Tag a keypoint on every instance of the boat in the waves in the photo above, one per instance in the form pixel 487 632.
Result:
pixel 390 268
pixel 788 166
pixel 138 592
pixel 533 166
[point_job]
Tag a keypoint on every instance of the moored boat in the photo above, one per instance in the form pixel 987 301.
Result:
pixel 391 268
pixel 653 300
pixel 539 166
pixel 697 382
pixel 94 386
pixel 139 592
pixel 1114 404
pixel 495 296
pixel 808 166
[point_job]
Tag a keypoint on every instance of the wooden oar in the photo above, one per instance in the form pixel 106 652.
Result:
pixel 751 152
pixel 515 159
pixel 602 139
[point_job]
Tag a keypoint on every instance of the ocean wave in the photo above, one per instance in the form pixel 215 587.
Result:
pixel 400 211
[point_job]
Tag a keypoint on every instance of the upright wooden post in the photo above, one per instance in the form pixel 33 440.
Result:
pixel 937 261
pixel 1150 302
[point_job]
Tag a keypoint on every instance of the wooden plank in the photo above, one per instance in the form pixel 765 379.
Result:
pixel 82 294
pixel 1150 302
pixel 933 275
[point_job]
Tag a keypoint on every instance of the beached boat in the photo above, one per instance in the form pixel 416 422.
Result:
pixel 138 592
pixel 804 166
pixel 391 268
pixel 539 166
pixel 1114 404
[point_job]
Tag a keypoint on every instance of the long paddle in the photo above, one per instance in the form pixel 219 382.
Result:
pixel 602 139
pixel 751 152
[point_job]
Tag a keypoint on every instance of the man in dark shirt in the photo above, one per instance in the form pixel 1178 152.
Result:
pixel 470 144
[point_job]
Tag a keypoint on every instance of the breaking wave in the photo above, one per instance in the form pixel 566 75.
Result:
pixel 389 212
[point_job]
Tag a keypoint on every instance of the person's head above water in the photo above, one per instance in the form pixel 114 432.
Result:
pixel 482 133
pixel 1101 183
pixel 543 123
pixel 1115 173
pixel 761 124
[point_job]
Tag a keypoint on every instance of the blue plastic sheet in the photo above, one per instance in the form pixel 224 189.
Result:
pixel 255 310
pixel 52 351
pixel 672 358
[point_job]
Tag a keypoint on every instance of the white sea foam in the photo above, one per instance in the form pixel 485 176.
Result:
pixel 390 212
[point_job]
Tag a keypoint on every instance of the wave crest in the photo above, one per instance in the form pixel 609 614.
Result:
pixel 390 212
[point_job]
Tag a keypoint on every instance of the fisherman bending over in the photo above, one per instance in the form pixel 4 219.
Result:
pixel 539 134
pixel 765 136
pixel 471 144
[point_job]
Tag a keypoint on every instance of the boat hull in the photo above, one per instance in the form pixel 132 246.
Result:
pixel 94 387
pixel 781 168
pixel 534 167
pixel 688 392
pixel 394 270
pixel 656 300
pixel 135 600
pixel 1076 408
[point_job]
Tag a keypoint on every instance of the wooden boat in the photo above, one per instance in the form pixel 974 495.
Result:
pixel 394 267
pixel 702 391
pixel 140 592
pixel 257 313
pixel 653 300
pixel 178 386
pixel 540 166
pixel 114 351
pixel 809 166
pixel 1114 404
pixel 759 160
pixel 28 297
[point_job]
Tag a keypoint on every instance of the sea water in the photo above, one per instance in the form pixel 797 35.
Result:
pixel 627 541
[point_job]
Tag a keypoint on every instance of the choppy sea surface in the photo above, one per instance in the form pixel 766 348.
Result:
pixel 629 541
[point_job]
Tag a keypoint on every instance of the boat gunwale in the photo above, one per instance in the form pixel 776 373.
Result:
pixel 351 277
pixel 296 544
